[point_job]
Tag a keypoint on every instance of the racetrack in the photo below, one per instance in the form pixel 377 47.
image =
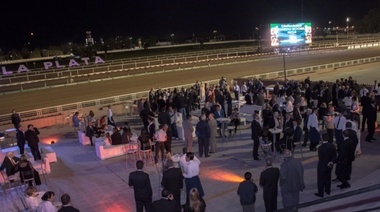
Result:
pixel 69 94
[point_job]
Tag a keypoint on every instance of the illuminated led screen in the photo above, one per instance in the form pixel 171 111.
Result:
pixel 290 34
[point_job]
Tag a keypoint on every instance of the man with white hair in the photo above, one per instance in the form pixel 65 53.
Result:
pixel 291 180
pixel 10 164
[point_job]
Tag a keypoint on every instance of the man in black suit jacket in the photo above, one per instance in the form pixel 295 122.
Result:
pixel 116 137
pixel 16 119
pixel 20 137
pixel 165 204
pixel 269 183
pixel 66 204
pixel 31 135
pixel 10 164
pixel 172 180
pixel 256 134
pixel 344 160
pixel 371 119
pixel 140 182
pixel 327 157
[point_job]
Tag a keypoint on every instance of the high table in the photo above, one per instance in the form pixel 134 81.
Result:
pixel 224 121
pixel 275 131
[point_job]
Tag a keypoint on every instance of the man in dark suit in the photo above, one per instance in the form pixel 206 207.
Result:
pixel 20 137
pixel 31 135
pixel 269 183
pixel 353 136
pixel 16 119
pixel 365 102
pixel 166 203
pixel 344 160
pixel 116 137
pixel 371 119
pixel 172 180
pixel 90 132
pixel 256 134
pixel 140 182
pixel 66 204
pixel 10 164
pixel 327 157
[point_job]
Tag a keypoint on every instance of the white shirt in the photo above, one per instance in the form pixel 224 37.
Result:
pixel 33 202
pixel 183 163
pixel 109 113
pixel 192 169
pixel 107 141
pixel 160 135
pixel 347 101
pixel 342 122
pixel 363 91
pixel 355 107
pixel 237 88
pixel 312 121
pixel 244 88
pixel 46 206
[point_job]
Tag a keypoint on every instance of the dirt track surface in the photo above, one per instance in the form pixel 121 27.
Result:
pixel 70 94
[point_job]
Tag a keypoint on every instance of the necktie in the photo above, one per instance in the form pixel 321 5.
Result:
pixel 337 126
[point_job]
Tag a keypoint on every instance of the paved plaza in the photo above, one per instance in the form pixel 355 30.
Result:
pixel 97 185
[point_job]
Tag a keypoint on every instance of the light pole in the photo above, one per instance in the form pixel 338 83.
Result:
pixel 330 27
pixel 283 59
pixel 215 31
pixel 172 36
pixel 347 20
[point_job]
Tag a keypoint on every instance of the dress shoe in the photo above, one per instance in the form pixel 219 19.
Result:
pixel 255 158
pixel 207 156
pixel 335 180
pixel 328 193
pixel 346 186
pixel 368 140
pixel 374 139
pixel 318 195
pixel 340 186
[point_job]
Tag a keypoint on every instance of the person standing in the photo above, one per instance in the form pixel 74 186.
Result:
pixel 140 182
pixel 236 91
pixel 344 160
pixel 365 102
pixel 31 135
pixel 312 126
pixel 111 121
pixel 160 138
pixel 371 120
pixel 203 134
pixel 66 204
pixel 90 132
pixel 172 180
pixel 16 119
pixel 213 132
pixel 256 131
pixel 247 192
pixel 339 124
pixel 76 120
pixel 269 183
pixel 188 130
pixel 291 180
pixel 20 136
pixel 326 159
pixel 190 173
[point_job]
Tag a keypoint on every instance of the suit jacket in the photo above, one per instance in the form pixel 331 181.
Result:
pixel 213 128
pixel 187 129
pixel 32 138
pixel 68 208
pixel 7 164
pixel 353 136
pixel 172 180
pixel 89 131
pixel 297 134
pixel 165 205
pixel 269 181
pixel 219 115
pixel 16 119
pixel 140 182
pixel 164 118
pixel 116 138
pixel 20 136
pixel 345 148
pixel 326 154
pixel 256 130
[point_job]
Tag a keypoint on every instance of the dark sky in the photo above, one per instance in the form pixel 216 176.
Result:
pixel 59 21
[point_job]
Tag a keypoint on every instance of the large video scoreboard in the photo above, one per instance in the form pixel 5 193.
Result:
pixel 290 34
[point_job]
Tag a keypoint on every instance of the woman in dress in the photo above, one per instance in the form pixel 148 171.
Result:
pixel 47 203
pixel 27 171
pixel 107 140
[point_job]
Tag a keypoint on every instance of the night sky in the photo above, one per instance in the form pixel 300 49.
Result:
pixel 59 21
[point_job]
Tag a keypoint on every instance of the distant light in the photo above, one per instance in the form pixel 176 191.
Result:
pixel 31 33
pixel 348 19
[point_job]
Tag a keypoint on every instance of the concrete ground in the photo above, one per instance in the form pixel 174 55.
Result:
pixel 97 185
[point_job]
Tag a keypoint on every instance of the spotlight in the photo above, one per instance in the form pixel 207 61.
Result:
pixel 52 142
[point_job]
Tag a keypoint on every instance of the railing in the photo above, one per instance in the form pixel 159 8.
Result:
pixel 332 198
pixel 114 100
